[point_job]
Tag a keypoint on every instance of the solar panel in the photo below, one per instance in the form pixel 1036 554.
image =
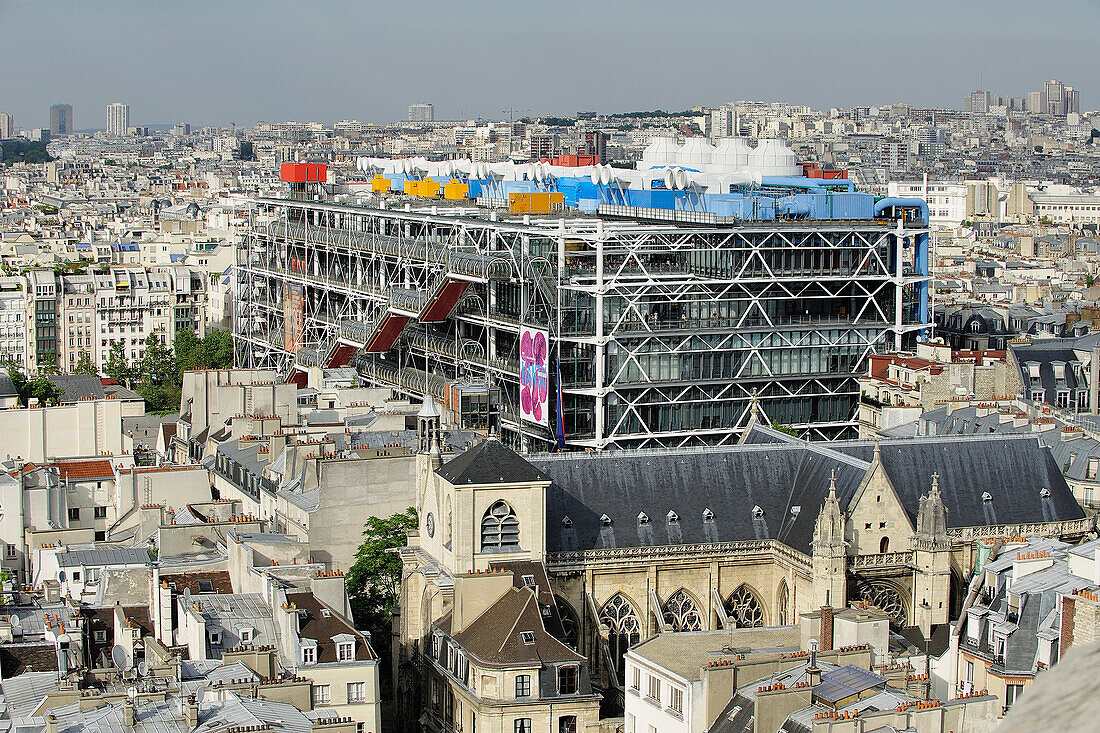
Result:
pixel 847 681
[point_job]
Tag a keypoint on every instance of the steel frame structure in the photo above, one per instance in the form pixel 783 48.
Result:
pixel 663 332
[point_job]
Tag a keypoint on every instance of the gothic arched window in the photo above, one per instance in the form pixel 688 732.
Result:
pixel 782 604
pixel 885 598
pixel 499 527
pixel 569 626
pixel 447 523
pixel 681 613
pixel 623 628
pixel 744 609
pixel 884 545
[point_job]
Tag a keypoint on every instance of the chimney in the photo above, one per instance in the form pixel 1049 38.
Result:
pixel 51 723
pixel 192 711
pixel 813 672
pixel 826 633
pixel 128 714
pixel 475 593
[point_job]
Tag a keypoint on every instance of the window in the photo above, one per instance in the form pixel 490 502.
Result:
pixel 654 689
pixel 528 637
pixel 499 527
pixel 322 694
pixel 567 724
pixel 74 514
pixel 357 692
pixel 100 636
pixel 309 655
pixel 676 700
pixel 246 636
pixel 215 638
pixel 99 512
pixel 12 550
pixel 92 576
pixel 636 684
pixel 206 586
pixel 522 725
pixel 567 680
pixel 345 651
pixel 523 685
pixel 1012 693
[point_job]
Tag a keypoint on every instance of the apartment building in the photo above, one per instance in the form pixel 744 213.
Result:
pixel 76 321
pixel 13 323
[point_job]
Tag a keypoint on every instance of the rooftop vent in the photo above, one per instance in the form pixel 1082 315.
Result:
pixel 986 496
pixel 643 518
pixel 672 517
pixel 605 521
pixel 1045 493
pixel 567 522
pixel 757 512
pixel 708 515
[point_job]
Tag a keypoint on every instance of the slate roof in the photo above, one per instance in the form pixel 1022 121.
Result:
pixel 1014 470
pixel 7 388
pixel 322 628
pixel 75 387
pixel 99 556
pixel 494 637
pixel 489 462
pixel 773 486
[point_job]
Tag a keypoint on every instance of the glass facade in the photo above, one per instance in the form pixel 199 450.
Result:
pixel 661 333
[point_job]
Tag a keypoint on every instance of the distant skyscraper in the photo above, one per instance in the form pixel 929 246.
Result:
pixel 118 119
pixel 1035 103
pixel 1073 101
pixel 7 126
pixel 61 120
pixel 723 122
pixel 977 103
pixel 421 113
pixel 1055 93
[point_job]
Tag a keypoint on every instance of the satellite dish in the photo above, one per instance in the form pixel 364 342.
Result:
pixel 187 596
pixel 200 695
pixel 143 668
pixel 120 658
pixel 15 622
pixel 61 576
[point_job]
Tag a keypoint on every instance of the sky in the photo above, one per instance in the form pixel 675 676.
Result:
pixel 215 62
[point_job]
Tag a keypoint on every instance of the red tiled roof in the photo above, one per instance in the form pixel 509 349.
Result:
pixel 77 470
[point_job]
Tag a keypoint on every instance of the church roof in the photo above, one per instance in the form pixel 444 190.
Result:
pixel 496 636
pixel 489 462
pixel 775 490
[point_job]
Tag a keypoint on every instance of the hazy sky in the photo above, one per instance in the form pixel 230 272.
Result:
pixel 205 61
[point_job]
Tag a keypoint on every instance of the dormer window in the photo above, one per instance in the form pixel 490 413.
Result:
pixel 528 637
pixel 757 513
pixel 986 496
pixel 643 519
pixel 605 521
pixel 529 581
pixel 215 637
pixel 708 515
pixel 566 522
pixel 247 634
pixel 309 651
pixel 672 517
pixel 345 651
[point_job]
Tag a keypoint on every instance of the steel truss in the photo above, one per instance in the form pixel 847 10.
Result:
pixel 662 333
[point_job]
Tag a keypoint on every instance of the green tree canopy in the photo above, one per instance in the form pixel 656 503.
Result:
pixel 117 367
pixel 85 365
pixel 373 580
pixel 40 388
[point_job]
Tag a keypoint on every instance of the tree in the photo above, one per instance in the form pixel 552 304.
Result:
pixel 117 367
pixel 160 377
pixel 188 348
pixel 47 365
pixel 40 388
pixel 218 345
pixel 372 581
pixel 85 365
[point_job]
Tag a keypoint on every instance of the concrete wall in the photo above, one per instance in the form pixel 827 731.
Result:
pixel 350 492
pixel 89 428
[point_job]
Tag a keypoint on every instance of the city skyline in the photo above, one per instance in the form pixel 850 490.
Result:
pixel 773 54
